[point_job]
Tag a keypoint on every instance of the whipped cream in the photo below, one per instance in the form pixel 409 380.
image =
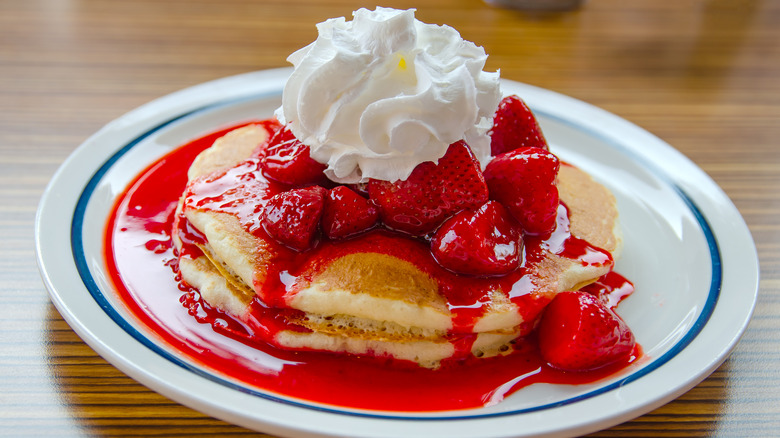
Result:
pixel 376 96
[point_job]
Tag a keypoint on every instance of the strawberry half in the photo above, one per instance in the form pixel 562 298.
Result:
pixel 578 332
pixel 287 160
pixel 346 213
pixel 482 242
pixel 432 193
pixel 514 126
pixel 292 217
pixel 524 181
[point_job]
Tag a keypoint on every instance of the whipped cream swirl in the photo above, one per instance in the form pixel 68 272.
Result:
pixel 376 96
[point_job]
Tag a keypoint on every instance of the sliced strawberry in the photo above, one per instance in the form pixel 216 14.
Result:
pixel 293 217
pixel 524 181
pixel 578 332
pixel 287 160
pixel 514 126
pixel 482 242
pixel 432 193
pixel 346 213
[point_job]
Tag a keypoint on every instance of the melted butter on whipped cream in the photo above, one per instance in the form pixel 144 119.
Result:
pixel 378 95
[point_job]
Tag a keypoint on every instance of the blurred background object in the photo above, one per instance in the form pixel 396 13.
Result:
pixel 536 5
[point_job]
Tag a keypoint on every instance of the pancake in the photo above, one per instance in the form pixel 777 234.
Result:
pixel 379 294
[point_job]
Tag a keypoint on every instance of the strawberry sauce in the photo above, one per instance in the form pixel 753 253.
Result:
pixel 144 268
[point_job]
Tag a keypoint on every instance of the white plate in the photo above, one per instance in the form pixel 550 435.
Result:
pixel 687 249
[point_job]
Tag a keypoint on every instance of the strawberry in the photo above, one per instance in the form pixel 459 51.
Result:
pixel 524 181
pixel 482 242
pixel 432 193
pixel 578 332
pixel 287 160
pixel 292 217
pixel 514 126
pixel 346 213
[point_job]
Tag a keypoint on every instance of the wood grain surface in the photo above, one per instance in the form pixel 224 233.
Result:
pixel 702 75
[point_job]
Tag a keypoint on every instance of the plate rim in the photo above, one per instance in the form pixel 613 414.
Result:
pixel 193 93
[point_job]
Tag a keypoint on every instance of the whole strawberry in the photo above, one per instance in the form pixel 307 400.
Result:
pixel 287 160
pixel 524 181
pixel 483 242
pixel 578 332
pixel 514 126
pixel 292 217
pixel 346 213
pixel 432 193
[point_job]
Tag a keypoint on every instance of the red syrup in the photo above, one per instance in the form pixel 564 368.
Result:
pixel 612 288
pixel 144 269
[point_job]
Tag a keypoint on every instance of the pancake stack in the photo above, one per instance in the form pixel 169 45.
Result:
pixel 378 294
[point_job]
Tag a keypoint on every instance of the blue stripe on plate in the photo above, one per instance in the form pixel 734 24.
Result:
pixel 97 294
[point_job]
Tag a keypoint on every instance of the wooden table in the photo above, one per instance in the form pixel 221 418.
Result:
pixel 702 75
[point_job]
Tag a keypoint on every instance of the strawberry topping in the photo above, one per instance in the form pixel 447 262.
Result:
pixel 287 160
pixel 432 193
pixel 292 217
pixel 482 242
pixel 346 213
pixel 578 332
pixel 514 126
pixel 524 181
